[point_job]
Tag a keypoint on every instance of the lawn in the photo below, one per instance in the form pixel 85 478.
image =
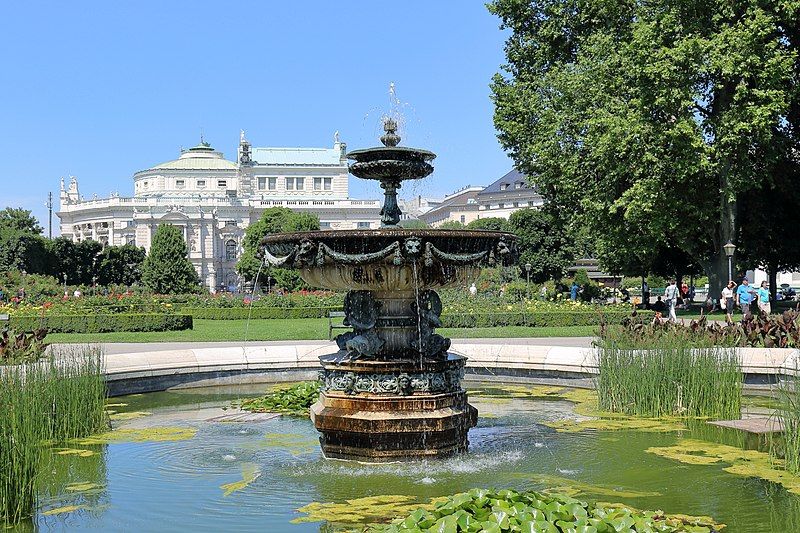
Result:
pixel 295 329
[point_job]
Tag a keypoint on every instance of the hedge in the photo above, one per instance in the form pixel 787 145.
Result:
pixel 102 323
pixel 238 313
pixel 538 319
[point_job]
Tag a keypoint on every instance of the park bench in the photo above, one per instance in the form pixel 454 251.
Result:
pixel 334 325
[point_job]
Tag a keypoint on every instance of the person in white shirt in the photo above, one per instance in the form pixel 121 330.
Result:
pixel 671 299
pixel 727 301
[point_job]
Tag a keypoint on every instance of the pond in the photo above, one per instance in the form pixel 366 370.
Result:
pixel 166 467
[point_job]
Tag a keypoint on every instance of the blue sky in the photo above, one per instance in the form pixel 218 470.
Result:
pixel 102 90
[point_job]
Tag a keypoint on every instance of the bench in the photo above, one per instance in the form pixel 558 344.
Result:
pixel 331 325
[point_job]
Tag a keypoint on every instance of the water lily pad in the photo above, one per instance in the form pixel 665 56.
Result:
pixel 361 510
pixel 64 509
pixel 75 451
pixel 81 487
pixel 250 472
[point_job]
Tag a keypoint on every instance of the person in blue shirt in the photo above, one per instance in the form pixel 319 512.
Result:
pixel 573 291
pixel 763 298
pixel 744 296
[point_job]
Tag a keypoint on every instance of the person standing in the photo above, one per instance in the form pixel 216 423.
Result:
pixel 763 298
pixel 671 299
pixel 573 291
pixel 727 301
pixel 645 294
pixel 473 290
pixel 744 296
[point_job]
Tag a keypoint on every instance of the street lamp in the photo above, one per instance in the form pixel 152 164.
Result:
pixel 65 283
pixel 528 268
pixel 729 248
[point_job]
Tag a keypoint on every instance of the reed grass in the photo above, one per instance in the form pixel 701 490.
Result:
pixel 51 400
pixel 669 377
pixel 788 411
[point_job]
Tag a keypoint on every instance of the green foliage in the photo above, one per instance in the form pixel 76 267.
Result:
pixel 101 323
pixel 788 412
pixel 535 319
pixel 120 265
pixel 414 223
pixel 37 288
pixel 21 347
pixel 274 220
pixel 490 511
pixel 211 313
pixel 78 260
pixel 21 220
pixel 491 224
pixel 670 377
pixel 452 224
pixel 627 115
pixel 56 400
pixel 22 251
pixel 166 270
pixel 542 241
pixel 294 400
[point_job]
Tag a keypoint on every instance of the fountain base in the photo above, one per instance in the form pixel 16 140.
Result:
pixel 379 411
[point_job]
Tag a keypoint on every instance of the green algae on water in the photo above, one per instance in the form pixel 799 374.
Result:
pixel 747 463
pixel 250 472
pixel 361 510
pixel 572 487
pixel 132 415
pixel 153 434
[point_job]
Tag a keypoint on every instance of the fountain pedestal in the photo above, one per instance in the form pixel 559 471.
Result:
pixel 391 410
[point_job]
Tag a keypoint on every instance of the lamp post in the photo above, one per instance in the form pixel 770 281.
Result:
pixel 729 249
pixel 64 274
pixel 528 268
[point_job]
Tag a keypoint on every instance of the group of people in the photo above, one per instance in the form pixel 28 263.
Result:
pixel 743 296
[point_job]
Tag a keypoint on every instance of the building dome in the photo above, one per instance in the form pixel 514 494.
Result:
pixel 200 157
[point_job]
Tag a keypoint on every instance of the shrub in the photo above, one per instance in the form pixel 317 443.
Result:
pixel 242 313
pixel 102 323
pixel 536 319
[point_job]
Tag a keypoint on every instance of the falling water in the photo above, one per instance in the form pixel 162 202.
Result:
pixel 250 305
pixel 419 313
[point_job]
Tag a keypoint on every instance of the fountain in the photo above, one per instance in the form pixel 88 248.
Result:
pixel 392 391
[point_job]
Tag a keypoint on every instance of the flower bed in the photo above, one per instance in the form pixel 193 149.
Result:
pixel 101 323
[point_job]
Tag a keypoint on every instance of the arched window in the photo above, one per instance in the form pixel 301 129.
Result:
pixel 230 250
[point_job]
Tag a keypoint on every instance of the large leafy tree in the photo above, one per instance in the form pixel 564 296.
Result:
pixel 649 122
pixel 120 265
pixel 80 261
pixel 166 270
pixel 543 242
pixel 273 220
pixel 19 219
pixel 491 223
pixel 21 245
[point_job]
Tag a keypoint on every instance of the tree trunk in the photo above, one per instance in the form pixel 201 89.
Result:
pixel 772 271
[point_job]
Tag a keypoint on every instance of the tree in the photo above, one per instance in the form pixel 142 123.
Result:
pixel 491 223
pixel 120 265
pixel 542 242
pixel 19 219
pixel 273 220
pixel 452 224
pixel 649 121
pixel 413 223
pixel 166 270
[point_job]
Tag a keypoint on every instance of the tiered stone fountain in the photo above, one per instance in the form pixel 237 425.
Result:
pixel 392 391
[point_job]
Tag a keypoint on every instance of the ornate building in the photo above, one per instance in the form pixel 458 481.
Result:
pixel 213 200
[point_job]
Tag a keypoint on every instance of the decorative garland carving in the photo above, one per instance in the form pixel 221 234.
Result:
pixel 403 384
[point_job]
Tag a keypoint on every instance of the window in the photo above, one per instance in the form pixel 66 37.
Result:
pixel 463 219
pixel 299 183
pixel 145 185
pixel 516 204
pixel 180 184
pixel 222 184
pixel 518 185
pixel 328 183
pixel 289 184
pixel 295 184
pixel 272 183
pixel 362 225
pixel 324 225
pixel 503 186
pixel 201 184
pixel 230 250
pixel 317 184
pixel 262 183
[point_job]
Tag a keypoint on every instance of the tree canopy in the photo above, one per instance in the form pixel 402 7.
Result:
pixel 542 242
pixel 651 122
pixel 166 270
pixel 19 219
pixel 491 223
pixel 273 220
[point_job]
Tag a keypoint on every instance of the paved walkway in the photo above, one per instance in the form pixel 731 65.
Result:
pixel 138 347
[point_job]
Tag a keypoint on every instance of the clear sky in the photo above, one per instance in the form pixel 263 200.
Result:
pixel 102 90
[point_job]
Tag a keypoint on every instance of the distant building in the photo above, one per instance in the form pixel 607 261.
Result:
pixel 510 193
pixel 415 207
pixel 214 200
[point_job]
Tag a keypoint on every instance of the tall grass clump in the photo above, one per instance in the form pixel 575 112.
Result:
pixel 51 400
pixel 669 377
pixel 789 413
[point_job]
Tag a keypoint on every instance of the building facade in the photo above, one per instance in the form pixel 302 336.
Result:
pixel 213 200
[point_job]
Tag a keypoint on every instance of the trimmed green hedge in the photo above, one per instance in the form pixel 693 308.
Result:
pixel 238 313
pixel 539 319
pixel 102 323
